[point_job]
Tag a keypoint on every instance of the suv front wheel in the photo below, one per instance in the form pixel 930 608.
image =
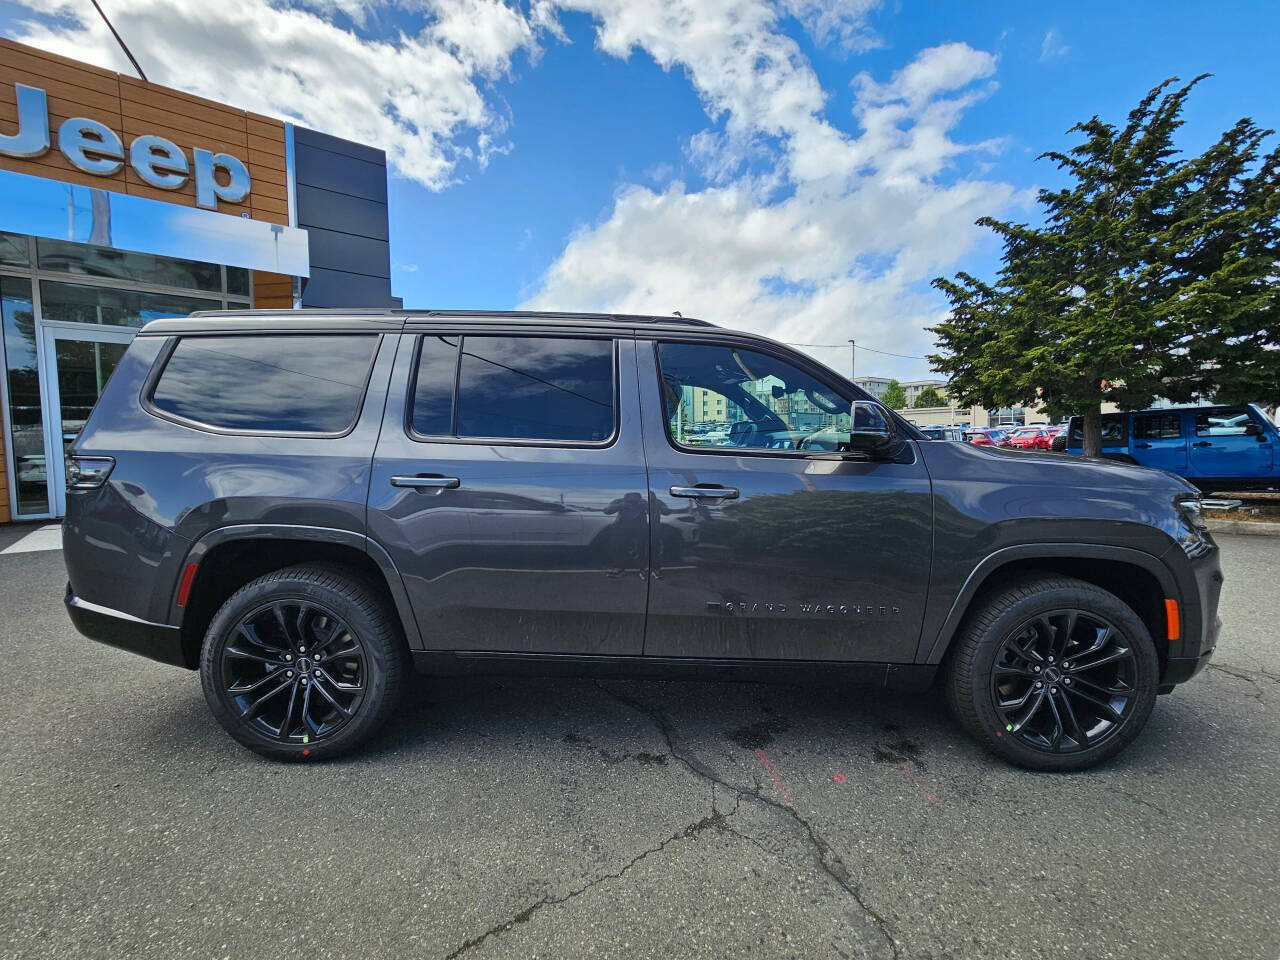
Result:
pixel 1053 673
pixel 305 662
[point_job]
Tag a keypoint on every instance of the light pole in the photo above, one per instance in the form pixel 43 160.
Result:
pixel 853 359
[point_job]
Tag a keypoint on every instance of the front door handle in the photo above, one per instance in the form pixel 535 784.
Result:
pixel 427 482
pixel 1202 443
pixel 706 493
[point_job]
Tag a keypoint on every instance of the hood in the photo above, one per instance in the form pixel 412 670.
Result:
pixel 1034 467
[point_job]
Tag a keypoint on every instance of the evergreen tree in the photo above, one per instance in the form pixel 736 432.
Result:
pixel 1153 275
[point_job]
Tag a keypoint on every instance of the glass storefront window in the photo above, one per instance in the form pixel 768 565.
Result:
pixel 238 281
pixel 84 366
pixel 13 250
pixel 92 261
pixel 70 303
pixel 26 421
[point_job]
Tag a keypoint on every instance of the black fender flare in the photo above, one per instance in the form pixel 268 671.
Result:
pixel 1042 551
pixel 285 531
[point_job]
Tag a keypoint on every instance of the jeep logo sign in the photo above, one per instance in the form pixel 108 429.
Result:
pixel 95 148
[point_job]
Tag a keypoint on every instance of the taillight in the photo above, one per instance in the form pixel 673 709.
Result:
pixel 86 473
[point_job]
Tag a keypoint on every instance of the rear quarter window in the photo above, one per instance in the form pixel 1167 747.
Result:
pixel 267 384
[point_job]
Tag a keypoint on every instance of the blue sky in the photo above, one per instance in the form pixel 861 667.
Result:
pixel 797 167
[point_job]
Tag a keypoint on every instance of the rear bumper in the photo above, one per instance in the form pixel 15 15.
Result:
pixel 156 641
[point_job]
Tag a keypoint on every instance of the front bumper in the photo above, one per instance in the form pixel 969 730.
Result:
pixel 156 641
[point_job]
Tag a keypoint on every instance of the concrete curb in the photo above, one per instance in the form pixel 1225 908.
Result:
pixel 1253 528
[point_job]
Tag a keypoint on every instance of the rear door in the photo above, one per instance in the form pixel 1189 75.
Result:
pixel 768 543
pixel 1159 440
pixel 1226 445
pixel 509 488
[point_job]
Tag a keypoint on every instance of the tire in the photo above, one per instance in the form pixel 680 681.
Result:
pixel 307 662
pixel 1004 650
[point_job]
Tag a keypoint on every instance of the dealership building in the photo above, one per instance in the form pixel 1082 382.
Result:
pixel 122 201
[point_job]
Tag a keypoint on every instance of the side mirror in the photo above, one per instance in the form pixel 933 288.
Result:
pixel 1252 429
pixel 870 427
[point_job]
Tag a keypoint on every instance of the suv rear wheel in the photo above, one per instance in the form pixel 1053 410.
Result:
pixel 305 662
pixel 1053 673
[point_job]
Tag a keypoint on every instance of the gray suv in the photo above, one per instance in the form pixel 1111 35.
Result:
pixel 307 505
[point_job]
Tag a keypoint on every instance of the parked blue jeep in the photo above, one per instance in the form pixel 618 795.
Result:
pixel 1216 448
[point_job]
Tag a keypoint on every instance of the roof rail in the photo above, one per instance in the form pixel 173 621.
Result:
pixel 626 318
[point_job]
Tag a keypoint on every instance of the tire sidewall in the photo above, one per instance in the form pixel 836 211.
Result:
pixel 295 587
pixel 1090 601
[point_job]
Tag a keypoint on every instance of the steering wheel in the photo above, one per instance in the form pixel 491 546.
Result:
pixel 742 433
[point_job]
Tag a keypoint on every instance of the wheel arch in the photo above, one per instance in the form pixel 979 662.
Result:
pixel 1140 580
pixel 229 557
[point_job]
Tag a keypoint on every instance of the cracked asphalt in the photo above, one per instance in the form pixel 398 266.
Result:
pixel 621 819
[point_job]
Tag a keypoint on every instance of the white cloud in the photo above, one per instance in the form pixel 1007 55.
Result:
pixel 837 237
pixel 1053 47
pixel 418 96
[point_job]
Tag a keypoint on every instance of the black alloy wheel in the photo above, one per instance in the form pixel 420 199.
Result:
pixel 1064 681
pixel 294 671
pixel 306 662
pixel 1052 673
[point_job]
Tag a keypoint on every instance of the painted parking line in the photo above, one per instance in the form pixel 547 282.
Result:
pixel 48 537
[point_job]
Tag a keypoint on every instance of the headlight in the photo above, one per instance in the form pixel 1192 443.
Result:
pixel 1193 541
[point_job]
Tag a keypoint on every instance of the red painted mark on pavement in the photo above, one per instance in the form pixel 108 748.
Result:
pixel 777 780
pixel 839 778
pixel 932 797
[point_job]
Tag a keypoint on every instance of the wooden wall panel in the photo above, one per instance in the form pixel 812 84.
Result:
pixel 131 108
pixel 272 290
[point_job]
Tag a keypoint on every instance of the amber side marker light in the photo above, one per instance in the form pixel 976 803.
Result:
pixel 1171 615
pixel 188 578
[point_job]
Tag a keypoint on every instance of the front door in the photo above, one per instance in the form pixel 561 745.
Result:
pixel 80 363
pixel 767 543
pixel 509 488
pixel 1230 442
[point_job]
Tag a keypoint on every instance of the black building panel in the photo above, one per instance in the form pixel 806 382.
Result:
pixel 344 251
pixel 334 288
pixel 339 211
pixel 341 193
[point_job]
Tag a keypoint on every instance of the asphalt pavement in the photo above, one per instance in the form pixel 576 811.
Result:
pixel 573 818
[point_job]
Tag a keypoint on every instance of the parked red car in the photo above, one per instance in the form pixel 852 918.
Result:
pixel 987 437
pixel 1030 438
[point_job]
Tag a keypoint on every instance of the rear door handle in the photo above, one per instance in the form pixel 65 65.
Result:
pixel 706 493
pixel 1202 443
pixel 427 482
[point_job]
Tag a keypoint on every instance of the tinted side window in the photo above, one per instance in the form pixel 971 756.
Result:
pixel 536 388
pixel 1113 431
pixel 433 386
pixel 720 396
pixel 1222 423
pixel 296 384
pixel 1158 426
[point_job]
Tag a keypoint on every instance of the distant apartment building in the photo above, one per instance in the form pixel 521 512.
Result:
pixel 876 386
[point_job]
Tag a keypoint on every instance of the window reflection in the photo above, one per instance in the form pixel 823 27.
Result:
pixel 433 388
pixel 543 388
pixel 26 423
pixel 70 303
pixel 147 268
pixel 13 250
pixel 717 396
pixel 293 384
